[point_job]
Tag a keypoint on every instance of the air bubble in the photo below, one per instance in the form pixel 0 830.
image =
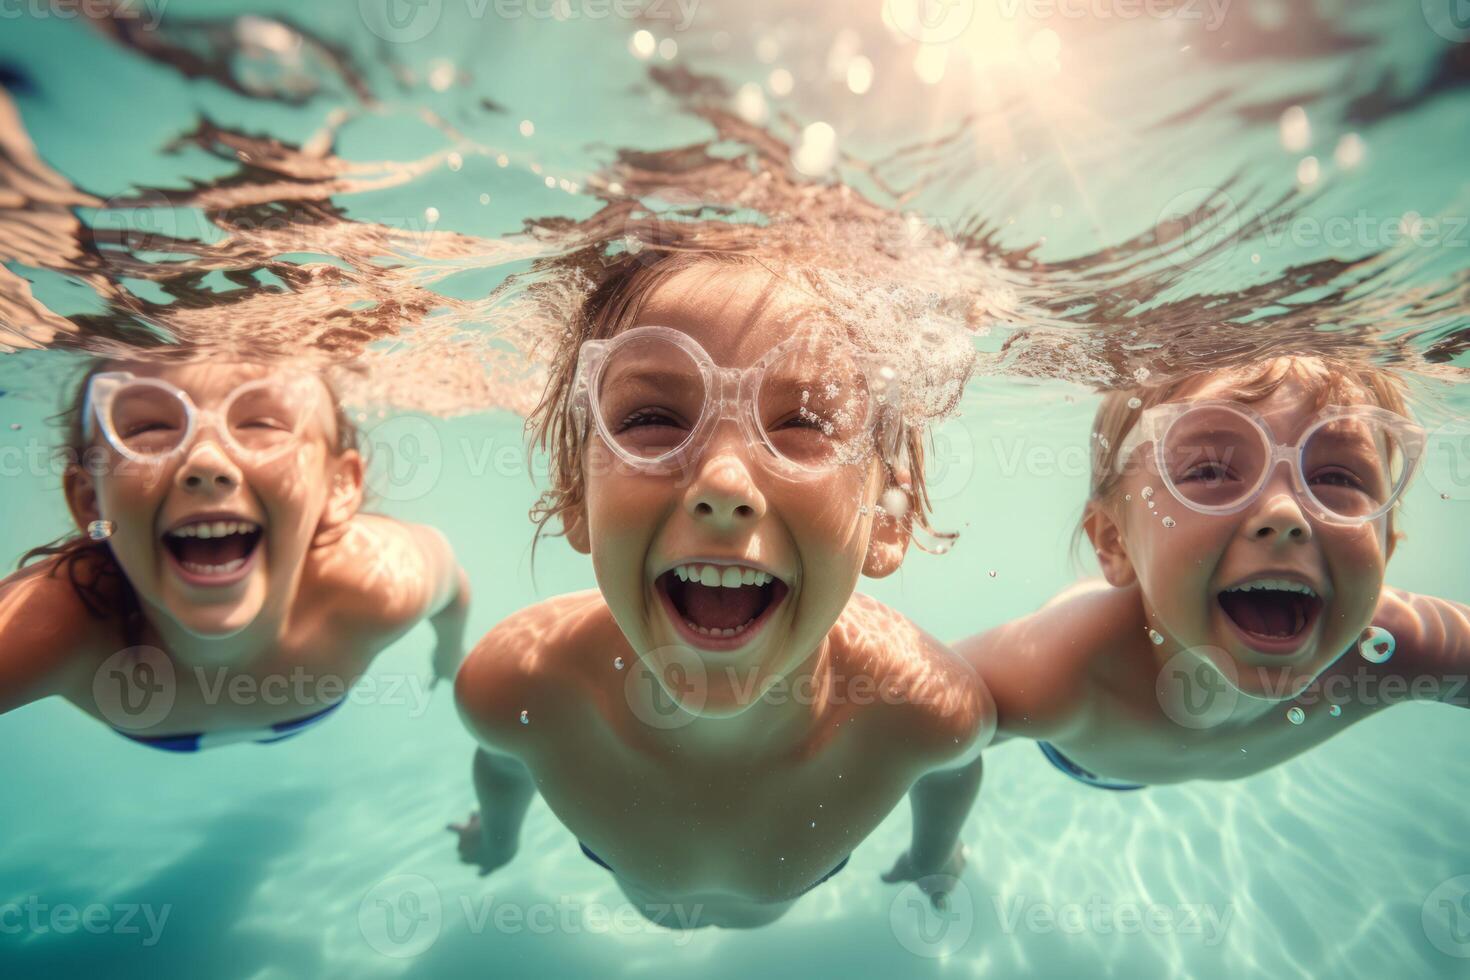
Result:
pixel 1151 505
pixel 1169 522
pixel 1335 710
pixel 1443 496
pixel 15 427
pixel 1127 496
pixel 1148 492
pixel 618 663
pixel 1155 637
pixel 1376 645
pixel 525 717
pixel 991 573
pixel 1135 403
pixel 1296 715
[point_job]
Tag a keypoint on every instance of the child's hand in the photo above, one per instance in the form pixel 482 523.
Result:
pixel 934 882
pixel 476 850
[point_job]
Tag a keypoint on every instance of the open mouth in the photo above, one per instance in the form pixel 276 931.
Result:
pixel 213 552
pixel 1273 615
pixel 719 607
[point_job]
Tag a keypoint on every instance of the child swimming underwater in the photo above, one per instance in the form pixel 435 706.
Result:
pixel 724 721
pixel 224 553
pixel 1244 617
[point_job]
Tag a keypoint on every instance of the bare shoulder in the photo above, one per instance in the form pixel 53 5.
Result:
pixel 372 575
pixel 1431 636
pixel 1039 667
pixel 933 701
pixel 48 637
pixel 532 662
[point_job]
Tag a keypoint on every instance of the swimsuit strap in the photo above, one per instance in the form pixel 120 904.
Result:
pixel 277 732
pixel 1066 765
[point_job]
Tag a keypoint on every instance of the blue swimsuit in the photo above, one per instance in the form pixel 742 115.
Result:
pixel 1072 769
pixel 278 732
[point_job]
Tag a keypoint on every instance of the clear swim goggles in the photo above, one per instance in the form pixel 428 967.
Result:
pixel 1350 465
pixel 150 420
pixel 810 404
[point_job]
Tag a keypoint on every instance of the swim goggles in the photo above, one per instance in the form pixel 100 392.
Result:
pixel 150 420
pixel 810 404
pixel 1350 465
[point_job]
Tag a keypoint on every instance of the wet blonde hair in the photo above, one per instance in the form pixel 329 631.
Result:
pixel 1341 384
pixel 614 305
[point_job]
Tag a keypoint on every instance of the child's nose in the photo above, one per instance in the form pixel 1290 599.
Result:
pixel 724 493
pixel 1278 515
pixel 207 468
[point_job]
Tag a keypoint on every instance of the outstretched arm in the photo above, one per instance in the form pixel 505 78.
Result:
pixel 44 633
pixel 491 836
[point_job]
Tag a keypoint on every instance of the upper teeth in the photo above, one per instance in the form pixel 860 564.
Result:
pixel 213 529
pixel 1278 584
pixel 726 576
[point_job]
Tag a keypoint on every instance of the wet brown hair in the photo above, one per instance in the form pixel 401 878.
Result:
pixel 623 286
pixel 94 574
pixel 1341 384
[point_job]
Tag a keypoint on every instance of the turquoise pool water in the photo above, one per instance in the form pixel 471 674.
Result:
pixel 261 863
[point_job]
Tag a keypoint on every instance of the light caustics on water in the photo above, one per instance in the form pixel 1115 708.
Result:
pixel 267 259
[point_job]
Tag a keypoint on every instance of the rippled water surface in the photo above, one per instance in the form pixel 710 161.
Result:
pixel 392 190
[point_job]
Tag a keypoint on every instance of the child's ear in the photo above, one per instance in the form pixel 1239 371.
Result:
pixel 344 494
pixel 574 527
pixel 888 539
pixel 81 496
pixel 1107 541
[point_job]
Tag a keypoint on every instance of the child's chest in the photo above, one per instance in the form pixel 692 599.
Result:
pixel 766 834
